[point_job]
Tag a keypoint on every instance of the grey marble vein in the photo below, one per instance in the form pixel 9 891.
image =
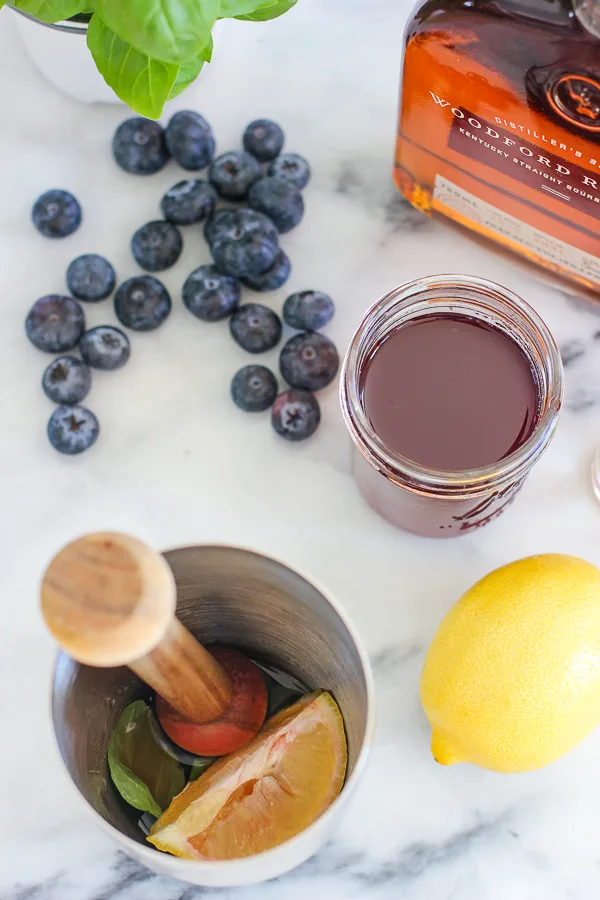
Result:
pixel 32 891
pixel 369 183
pixel 408 864
pixel 401 216
pixel 128 873
pixel 389 660
pixel 581 399
pixel 572 351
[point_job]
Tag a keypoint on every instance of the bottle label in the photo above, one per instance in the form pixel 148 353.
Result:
pixel 467 209
pixel 513 155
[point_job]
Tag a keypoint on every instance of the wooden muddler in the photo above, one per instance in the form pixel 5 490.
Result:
pixel 109 600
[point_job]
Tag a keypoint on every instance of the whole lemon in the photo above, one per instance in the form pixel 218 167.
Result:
pixel 512 678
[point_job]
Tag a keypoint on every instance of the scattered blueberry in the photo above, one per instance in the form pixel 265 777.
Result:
pixel 221 219
pixel 279 200
pixel 263 139
pixel 308 310
pixel 55 323
pixel 157 245
pixel 105 347
pixel 247 245
pixel 72 429
pixel 91 277
pixel 234 173
pixel 139 146
pixel 190 139
pixel 66 380
pixel 291 167
pixel 244 244
pixel 56 214
pixel 256 328
pixel 142 303
pixel 309 361
pixel 296 415
pixel 254 388
pixel 188 202
pixel 210 295
pixel 273 278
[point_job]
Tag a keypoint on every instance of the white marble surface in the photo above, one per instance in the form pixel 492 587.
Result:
pixel 177 463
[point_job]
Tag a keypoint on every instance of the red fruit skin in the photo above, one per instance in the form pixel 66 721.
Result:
pixel 239 723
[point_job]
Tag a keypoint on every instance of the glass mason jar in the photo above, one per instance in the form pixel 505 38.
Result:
pixel 427 501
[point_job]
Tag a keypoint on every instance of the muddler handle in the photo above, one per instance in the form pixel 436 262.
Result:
pixel 109 600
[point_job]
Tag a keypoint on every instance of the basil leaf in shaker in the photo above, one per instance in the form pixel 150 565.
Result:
pixel 142 772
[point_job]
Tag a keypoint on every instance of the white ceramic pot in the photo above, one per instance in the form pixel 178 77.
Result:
pixel 61 55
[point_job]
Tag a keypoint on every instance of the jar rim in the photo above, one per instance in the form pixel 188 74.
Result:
pixel 471 295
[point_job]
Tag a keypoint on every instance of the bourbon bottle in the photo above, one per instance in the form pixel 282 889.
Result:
pixel 500 125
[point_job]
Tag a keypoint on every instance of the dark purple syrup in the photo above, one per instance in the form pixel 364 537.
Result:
pixel 450 392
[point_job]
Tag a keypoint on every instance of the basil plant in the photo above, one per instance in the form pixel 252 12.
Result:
pixel 148 51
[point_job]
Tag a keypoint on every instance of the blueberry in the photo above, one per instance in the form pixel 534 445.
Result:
pixel 188 202
pixel 296 415
pixel 55 323
pixel 234 173
pixel 309 361
pixel 254 388
pixel 72 429
pixel 190 139
pixel 56 214
pixel 67 380
pixel 221 220
pixel 256 328
pixel 263 139
pixel 157 245
pixel 142 303
pixel 248 245
pixel 91 277
pixel 308 310
pixel 279 200
pixel 273 278
pixel 210 295
pixel 139 146
pixel 105 347
pixel 291 167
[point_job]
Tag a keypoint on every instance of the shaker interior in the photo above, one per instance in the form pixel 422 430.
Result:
pixel 224 595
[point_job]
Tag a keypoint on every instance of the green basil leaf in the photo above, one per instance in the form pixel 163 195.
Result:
pixel 171 30
pixel 189 71
pixel 143 83
pixel 200 765
pixel 207 51
pixel 131 788
pixel 269 12
pixel 51 10
pixel 145 775
pixel 231 9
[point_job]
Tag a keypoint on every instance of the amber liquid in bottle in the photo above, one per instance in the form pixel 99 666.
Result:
pixel 500 126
